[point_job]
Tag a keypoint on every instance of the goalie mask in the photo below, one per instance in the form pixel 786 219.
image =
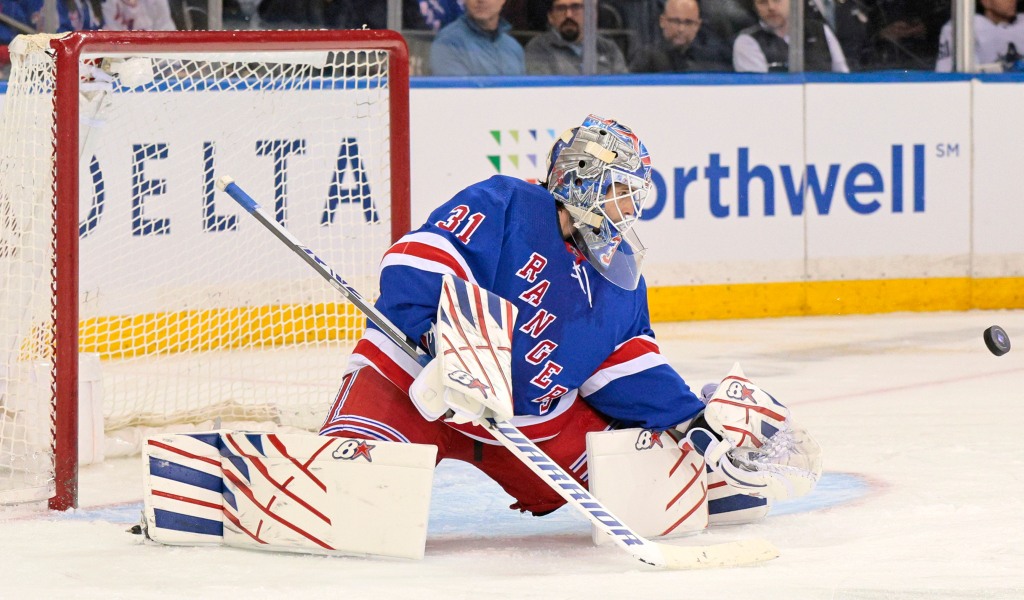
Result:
pixel 601 173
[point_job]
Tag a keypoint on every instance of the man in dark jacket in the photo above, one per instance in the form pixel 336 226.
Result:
pixel 684 45
pixel 764 48
pixel 559 51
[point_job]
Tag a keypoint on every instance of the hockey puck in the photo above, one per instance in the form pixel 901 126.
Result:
pixel 997 341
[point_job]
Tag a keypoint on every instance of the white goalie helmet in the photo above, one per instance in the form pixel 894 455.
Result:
pixel 584 164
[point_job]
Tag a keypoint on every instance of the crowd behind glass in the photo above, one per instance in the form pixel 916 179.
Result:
pixel 549 37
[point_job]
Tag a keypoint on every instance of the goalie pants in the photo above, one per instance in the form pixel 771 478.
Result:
pixel 369 406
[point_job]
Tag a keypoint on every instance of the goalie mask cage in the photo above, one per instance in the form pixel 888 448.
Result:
pixel 116 250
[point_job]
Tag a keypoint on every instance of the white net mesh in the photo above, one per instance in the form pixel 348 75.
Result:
pixel 195 311
pixel 26 267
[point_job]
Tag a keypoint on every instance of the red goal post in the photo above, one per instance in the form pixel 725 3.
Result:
pixel 192 315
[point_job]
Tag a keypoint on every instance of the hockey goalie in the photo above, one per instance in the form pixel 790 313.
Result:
pixel 529 302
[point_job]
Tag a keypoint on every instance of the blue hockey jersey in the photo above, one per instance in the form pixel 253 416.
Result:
pixel 577 336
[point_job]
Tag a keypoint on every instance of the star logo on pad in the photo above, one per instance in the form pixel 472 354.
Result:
pixel 352 450
pixel 647 439
pixel 363 449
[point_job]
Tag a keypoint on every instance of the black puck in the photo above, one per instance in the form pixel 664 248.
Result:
pixel 997 341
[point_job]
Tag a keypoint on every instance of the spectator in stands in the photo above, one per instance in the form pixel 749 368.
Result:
pixel 764 47
pixel 437 14
pixel 727 17
pixel 849 20
pixel 284 14
pixel 527 15
pixel 477 43
pixel 904 34
pixel 12 9
pixel 684 45
pixel 14 21
pixel 430 15
pixel 145 15
pixel 559 51
pixel 72 15
pixel 998 37
pixel 75 15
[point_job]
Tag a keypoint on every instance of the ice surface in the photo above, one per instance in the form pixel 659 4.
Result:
pixel 923 493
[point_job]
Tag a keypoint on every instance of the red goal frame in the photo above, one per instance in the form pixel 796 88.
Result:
pixel 67 51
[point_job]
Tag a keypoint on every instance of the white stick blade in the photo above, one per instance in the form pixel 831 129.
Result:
pixel 730 554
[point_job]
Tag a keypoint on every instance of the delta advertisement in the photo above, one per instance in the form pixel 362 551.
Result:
pixel 769 199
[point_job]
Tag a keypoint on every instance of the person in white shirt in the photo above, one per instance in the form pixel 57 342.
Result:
pixel 130 15
pixel 764 48
pixel 998 32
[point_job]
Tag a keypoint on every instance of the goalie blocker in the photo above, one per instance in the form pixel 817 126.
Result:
pixel 288 492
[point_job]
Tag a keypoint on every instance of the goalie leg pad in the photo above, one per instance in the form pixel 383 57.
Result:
pixel 650 483
pixel 183 487
pixel 729 502
pixel 289 492
pixel 730 506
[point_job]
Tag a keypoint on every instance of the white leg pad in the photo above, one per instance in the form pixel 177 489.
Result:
pixel 183 489
pixel 728 505
pixel 648 482
pixel 289 492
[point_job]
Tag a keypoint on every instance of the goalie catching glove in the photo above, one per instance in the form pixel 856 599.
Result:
pixel 470 378
pixel 753 443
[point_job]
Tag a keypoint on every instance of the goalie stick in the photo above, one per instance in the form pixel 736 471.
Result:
pixel 728 554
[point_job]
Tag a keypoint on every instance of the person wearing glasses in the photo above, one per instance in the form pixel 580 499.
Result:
pixel 684 46
pixel 559 51
pixel 764 48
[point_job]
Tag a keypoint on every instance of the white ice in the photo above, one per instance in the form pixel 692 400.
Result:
pixel 923 493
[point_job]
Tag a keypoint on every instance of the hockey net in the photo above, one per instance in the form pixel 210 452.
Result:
pixel 129 284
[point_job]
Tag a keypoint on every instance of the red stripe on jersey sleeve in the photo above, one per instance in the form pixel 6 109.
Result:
pixel 634 348
pixel 428 252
